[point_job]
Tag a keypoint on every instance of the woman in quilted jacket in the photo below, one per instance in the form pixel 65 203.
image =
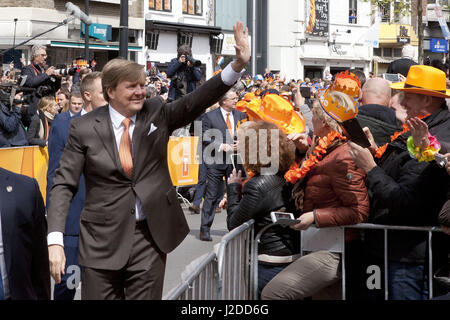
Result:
pixel 264 192
pixel 329 191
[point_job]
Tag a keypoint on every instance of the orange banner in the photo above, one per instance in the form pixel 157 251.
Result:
pixel 29 161
pixel 182 160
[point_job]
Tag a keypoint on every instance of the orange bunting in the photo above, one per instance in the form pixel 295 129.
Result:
pixel 295 173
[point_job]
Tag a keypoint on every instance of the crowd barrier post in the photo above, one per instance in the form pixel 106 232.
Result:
pixel 234 261
pixel 201 284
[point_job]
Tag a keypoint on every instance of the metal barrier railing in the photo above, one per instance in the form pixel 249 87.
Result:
pixel 234 261
pixel 366 226
pixel 201 284
pixel 221 276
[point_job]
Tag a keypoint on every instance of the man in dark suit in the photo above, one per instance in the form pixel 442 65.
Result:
pixel 24 273
pixel 91 98
pixel 131 217
pixel 217 152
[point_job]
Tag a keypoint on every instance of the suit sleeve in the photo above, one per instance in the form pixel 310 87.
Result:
pixel 40 271
pixel 183 111
pixel 207 139
pixel 66 180
pixel 352 194
pixel 55 149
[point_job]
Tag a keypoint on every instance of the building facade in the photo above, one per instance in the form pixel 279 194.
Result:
pixel 66 42
pixel 171 23
pixel 309 38
pixel 435 44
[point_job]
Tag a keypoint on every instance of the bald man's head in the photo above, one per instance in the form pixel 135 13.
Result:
pixel 376 91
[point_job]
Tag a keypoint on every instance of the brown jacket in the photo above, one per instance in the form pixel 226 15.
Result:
pixel 108 218
pixel 336 189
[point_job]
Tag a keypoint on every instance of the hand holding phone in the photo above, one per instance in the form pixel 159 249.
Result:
pixel 236 160
pixel 283 218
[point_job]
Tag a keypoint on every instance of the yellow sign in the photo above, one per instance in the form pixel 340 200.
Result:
pixel 182 160
pixel 29 161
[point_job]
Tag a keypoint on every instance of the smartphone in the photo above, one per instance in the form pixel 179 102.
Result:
pixel 283 218
pixel 355 133
pixel 236 160
pixel 305 92
pixel 392 77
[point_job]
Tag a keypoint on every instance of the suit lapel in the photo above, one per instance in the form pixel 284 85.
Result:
pixel 104 129
pixel 138 134
pixel 224 124
pixel 7 204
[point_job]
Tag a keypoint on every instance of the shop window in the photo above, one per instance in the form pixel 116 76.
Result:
pixel 397 52
pixel 160 5
pixel 184 38
pixel 193 7
pixel 385 10
pixel 377 52
pixel 353 11
pixel 387 52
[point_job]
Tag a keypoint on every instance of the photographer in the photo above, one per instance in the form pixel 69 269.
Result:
pixel 46 81
pixel 12 130
pixel 184 72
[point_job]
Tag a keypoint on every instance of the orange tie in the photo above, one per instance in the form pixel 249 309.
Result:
pixel 125 149
pixel 229 125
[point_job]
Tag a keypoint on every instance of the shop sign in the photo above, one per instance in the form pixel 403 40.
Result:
pixel 438 45
pixel 99 31
pixel 403 37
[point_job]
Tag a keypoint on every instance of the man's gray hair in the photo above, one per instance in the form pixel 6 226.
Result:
pixel 35 49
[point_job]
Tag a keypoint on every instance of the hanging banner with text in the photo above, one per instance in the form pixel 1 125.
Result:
pixel 438 45
pixel 317 18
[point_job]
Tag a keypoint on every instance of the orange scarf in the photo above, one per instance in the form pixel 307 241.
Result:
pixel 295 173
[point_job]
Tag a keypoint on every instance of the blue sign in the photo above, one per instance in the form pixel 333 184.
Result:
pixel 99 31
pixel 438 45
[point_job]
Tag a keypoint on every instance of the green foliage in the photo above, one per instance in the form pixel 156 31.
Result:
pixel 401 7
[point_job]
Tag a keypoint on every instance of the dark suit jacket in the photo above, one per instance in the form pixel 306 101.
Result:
pixel 108 219
pixel 24 231
pixel 59 133
pixel 215 120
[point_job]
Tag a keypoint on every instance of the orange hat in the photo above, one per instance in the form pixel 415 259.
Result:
pixel 217 72
pixel 275 109
pixel 424 80
pixel 334 110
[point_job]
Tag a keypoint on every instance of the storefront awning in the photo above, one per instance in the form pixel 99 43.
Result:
pixel 382 60
pixel 93 46
pixel 171 26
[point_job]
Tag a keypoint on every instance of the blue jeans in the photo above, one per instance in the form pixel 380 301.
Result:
pixel 266 273
pixel 407 281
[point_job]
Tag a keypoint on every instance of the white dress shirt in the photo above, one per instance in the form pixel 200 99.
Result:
pixel 3 264
pixel 116 119
pixel 228 76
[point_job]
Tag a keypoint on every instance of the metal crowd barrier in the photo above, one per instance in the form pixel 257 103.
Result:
pixel 366 226
pixel 234 260
pixel 221 276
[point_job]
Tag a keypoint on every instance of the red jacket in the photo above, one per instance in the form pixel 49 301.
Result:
pixel 336 189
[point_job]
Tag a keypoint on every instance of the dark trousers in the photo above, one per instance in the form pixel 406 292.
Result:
pixel 201 185
pixel 142 278
pixel 61 291
pixel 214 192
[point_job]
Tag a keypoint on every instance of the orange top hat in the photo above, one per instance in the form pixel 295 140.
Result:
pixel 278 111
pixel 424 80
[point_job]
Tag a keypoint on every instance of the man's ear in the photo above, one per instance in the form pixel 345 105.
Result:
pixel 87 96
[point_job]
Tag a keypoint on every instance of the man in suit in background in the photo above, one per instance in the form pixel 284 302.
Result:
pixel 24 273
pixel 218 163
pixel 91 97
pixel 131 217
